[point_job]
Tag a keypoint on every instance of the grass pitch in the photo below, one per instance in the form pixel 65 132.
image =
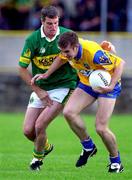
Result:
pixel 16 151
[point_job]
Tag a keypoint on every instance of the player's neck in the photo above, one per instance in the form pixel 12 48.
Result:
pixel 50 36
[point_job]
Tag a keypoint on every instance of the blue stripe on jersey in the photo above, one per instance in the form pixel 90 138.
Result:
pixel 79 54
pixel 113 94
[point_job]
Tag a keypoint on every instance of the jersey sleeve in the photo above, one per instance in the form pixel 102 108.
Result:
pixel 106 59
pixel 27 54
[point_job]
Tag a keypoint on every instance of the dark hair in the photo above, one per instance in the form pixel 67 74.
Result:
pixel 68 38
pixel 50 12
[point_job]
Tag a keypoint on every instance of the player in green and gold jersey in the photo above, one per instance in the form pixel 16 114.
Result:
pixel 46 101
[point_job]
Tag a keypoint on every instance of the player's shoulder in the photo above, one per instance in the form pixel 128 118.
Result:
pixel 87 44
pixel 63 29
pixel 34 35
pixel 86 41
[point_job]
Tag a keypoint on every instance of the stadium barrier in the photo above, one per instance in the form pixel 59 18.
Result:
pixel 14 95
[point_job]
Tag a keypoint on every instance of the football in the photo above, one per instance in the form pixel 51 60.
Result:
pixel 99 78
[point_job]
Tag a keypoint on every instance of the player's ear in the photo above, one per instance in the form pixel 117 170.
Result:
pixel 42 20
pixel 76 47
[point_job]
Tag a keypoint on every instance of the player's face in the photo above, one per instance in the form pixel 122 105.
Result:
pixel 50 26
pixel 69 52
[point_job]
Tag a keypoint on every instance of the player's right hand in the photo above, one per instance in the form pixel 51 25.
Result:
pixel 47 101
pixel 106 45
pixel 44 97
pixel 38 77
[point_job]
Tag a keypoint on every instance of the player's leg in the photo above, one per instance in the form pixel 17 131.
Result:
pixel 104 112
pixel 46 116
pixel 29 122
pixel 29 131
pixel 77 102
pixel 34 109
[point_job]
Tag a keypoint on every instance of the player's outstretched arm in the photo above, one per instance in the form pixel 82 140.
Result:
pixel 55 65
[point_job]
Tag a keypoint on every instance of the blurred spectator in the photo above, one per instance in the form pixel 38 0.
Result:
pixel 129 16
pixel 34 19
pixel 23 8
pixel 61 8
pixel 3 21
pixel 79 15
pixel 66 18
pixel 88 18
pixel 70 7
pixel 16 13
pixel 117 15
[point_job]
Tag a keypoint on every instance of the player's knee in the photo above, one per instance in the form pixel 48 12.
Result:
pixel 39 127
pixel 100 130
pixel 68 113
pixel 28 132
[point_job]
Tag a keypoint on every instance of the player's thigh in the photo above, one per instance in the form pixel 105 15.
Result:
pixel 78 101
pixel 48 114
pixel 105 109
pixel 31 116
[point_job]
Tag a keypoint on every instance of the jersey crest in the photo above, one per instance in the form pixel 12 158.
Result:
pixel 101 58
pixel 42 50
pixel 27 53
pixel 86 66
pixel 86 72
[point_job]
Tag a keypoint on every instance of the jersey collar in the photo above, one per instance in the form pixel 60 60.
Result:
pixel 79 54
pixel 48 39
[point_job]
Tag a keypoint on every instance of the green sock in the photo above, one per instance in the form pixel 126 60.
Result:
pixel 38 155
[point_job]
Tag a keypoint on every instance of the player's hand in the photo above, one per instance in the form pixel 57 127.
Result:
pixel 38 77
pixel 47 101
pixel 43 95
pixel 103 90
pixel 106 45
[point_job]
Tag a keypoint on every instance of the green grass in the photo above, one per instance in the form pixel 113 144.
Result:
pixel 16 151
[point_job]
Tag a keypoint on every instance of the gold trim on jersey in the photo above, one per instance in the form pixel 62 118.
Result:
pixel 45 61
pixel 24 60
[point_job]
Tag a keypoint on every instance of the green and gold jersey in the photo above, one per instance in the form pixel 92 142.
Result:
pixel 41 52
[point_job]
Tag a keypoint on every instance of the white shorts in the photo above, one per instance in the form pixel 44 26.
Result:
pixel 55 94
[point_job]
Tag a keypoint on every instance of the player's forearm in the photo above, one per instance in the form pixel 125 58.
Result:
pixel 26 76
pixel 55 65
pixel 117 73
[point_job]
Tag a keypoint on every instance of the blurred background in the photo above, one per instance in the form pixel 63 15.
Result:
pixel 92 19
